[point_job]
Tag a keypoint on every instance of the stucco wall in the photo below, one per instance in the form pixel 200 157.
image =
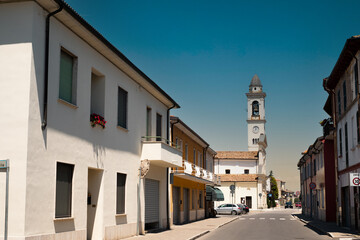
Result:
pixel 235 166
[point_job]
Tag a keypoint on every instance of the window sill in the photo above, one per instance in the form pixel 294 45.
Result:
pixel 121 215
pixel 123 129
pixel 64 219
pixel 67 104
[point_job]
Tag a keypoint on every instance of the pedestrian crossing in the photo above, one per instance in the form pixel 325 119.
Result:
pixel 264 219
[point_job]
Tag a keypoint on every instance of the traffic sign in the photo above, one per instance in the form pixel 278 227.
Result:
pixel 297 193
pixel 312 185
pixel 354 179
pixel 3 164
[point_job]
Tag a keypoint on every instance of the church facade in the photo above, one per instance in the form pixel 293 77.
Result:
pixel 243 173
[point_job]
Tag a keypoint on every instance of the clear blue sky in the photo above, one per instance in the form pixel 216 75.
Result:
pixel 204 54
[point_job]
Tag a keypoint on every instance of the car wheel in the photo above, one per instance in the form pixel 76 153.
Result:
pixel 233 212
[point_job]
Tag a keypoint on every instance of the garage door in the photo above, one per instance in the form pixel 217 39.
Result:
pixel 151 203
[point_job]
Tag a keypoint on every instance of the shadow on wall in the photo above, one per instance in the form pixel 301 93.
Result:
pixel 64 225
pixel 99 154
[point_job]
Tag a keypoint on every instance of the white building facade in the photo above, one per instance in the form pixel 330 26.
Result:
pixel 246 170
pixel 69 179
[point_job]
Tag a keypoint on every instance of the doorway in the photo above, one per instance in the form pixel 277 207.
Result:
pixel 249 201
pixel 345 206
pixel 94 216
pixel 186 205
pixel 176 205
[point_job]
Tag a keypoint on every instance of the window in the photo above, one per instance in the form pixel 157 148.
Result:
pixel 339 102
pixel 194 156
pixel 340 143
pixel 67 87
pixel 227 171
pixel 246 171
pixel 193 198
pixel 158 127
pixel 346 146
pixel 358 126
pixel 120 193
pixel 186 152
pixel 180 145
pixel 148 123
pixel 122 107
pixel 200 199
pixel 314 167
pixel 344 94
pixel 199 159
pixel 255 108
pixel 356 79
pixel 64 175
pixel 97 94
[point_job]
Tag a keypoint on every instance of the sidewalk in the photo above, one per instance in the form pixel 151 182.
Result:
pixel 189 231
pixel 329 228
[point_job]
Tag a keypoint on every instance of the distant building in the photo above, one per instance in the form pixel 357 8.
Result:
pixel 246 170
pixel 343 88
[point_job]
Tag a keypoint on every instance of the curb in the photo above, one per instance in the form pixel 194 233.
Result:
pixel 207 231
pixel 313 226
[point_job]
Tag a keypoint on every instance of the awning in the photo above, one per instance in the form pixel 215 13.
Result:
pixel 214 194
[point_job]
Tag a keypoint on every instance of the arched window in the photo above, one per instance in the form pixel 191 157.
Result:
pixel 255 108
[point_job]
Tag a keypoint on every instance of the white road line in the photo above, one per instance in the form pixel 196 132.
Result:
pixel 272 218
pixel 262 218
pixel 252 218
pixel 282 219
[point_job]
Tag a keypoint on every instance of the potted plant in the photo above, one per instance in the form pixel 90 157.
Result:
pixel 97 119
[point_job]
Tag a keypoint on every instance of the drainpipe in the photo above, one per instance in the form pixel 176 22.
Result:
pixel 331 92
pixel 167 170
pixel 46 75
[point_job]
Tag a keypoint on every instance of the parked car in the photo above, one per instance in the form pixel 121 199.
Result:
pixel 246 208
pixel 228 208
pixel 298 204
pixel 243 211
pixel 288 205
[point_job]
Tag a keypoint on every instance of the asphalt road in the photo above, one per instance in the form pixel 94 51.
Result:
pixel 275 224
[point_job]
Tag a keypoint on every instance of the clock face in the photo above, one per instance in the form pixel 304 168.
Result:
pixel 255 129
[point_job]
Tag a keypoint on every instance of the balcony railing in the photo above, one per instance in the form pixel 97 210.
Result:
pixel 159 151
pixel 192 171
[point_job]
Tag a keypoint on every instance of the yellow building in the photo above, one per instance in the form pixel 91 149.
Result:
pixel 189 182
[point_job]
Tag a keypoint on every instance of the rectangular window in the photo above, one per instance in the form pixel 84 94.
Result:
pixel 194 156
pixel 64 176
pixel 148 123
pixel 158 127
pixel 186 152
pixel 97 103
pixel 199 160
pixel 339 102
pixel 67 77
pixel 246 171
pixel 340 143
pixel 122 107
pixel 358 126
pixel 314 167
pixel 344 95
pixel 120 193
pixel 356 79
pixel 346 146
pixel 227 171
pixel 200 199
pixel 180 144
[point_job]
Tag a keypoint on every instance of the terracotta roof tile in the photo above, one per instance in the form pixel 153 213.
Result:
pixel 245 155
pixel 238 177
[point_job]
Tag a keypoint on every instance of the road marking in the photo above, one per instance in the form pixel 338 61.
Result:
pixel 282 219
pixel 262 218
pixel 252 218
pixel 242 218
pixel 272 218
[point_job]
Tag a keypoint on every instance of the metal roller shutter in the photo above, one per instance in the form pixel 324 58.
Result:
pixel 151 201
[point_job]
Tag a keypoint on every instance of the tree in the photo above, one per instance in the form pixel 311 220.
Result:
pixel 273 191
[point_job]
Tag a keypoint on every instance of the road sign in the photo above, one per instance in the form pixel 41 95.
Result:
pixel 270 195
pixel 297 193
pixel 3 164
pixel 354 179
pixel 312 185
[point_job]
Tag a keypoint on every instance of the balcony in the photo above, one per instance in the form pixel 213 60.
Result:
pixel 158 151
pixel 192 172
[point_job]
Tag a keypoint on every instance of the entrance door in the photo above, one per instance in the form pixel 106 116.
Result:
pixel 176 205
pixel 249 201
pixel 186 205
pixel 151 204
pixel 94 213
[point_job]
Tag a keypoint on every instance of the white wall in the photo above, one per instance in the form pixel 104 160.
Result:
pixel 69 137
pixel 235 166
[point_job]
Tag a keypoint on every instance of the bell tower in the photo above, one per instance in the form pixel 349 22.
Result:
pixel 256 114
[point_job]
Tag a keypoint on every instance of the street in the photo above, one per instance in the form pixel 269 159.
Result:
pixel 273 224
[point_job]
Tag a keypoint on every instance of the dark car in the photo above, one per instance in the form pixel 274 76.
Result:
pixel 242 207
pixel 289 205
pixel 246 208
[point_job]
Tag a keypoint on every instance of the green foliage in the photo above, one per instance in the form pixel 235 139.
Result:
pixel 273 190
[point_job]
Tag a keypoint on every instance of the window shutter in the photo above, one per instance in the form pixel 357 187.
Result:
pixel 66 77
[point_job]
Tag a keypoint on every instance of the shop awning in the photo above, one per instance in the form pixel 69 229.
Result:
pixel 214 194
